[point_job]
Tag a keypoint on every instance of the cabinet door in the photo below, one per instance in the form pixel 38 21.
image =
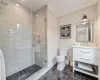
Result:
pixel 85 55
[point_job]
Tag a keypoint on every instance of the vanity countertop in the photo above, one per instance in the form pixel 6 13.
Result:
pixel 93 47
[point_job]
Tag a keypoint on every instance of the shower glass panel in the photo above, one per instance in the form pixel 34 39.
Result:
pixel 22 39
pixel 40 36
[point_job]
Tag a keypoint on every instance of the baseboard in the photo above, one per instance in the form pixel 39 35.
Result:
pixel 71 63
pixel 52 64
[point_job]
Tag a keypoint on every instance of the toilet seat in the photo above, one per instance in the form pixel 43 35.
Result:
pixel 60 58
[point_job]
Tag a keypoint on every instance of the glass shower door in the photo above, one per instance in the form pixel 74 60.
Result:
pixel 41 37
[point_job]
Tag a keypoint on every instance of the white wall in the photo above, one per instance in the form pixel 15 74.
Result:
pixel 52 36
pixel 73 18
pixel 98 24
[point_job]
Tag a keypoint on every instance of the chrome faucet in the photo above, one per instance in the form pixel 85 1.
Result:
pixel 84 43
pixel 87 44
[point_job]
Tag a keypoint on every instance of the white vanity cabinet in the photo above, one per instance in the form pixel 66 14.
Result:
pixel 86 56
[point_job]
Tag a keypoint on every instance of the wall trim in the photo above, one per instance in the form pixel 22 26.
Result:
pixel 71 63
pixel 52 64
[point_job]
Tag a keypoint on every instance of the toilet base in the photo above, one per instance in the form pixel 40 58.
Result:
pixel 60 66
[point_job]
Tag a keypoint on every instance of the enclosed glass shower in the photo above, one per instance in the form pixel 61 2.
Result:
pixel 23 39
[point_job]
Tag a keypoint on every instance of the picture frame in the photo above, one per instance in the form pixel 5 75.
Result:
pixel 65 31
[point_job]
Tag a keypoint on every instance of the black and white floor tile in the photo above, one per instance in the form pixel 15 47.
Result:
pixel 52 74
pixel 66 74
pixel 25 73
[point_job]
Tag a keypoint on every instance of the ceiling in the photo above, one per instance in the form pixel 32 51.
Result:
pixel 59 7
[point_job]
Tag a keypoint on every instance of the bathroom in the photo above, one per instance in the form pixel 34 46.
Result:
pixel 33 33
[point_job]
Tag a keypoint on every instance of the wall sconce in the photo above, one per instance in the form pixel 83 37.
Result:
pixel 84 18
pixel 17 5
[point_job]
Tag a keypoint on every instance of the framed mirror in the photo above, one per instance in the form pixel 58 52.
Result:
pixel 84 31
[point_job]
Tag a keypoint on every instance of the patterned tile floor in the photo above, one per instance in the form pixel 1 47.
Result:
pixel 66 74
pixel 25 73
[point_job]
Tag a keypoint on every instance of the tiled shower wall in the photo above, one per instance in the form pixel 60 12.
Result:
pixel 16 36
pixel 41 36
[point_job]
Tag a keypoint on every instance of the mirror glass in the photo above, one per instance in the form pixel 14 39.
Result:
pixel 84 31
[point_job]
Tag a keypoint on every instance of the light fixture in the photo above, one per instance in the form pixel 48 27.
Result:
pixel 37 15
pixel 17 4
pixel 84 18
pixel 18 25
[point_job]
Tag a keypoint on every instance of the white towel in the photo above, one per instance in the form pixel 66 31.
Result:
pixel 85 66
pixel 2 67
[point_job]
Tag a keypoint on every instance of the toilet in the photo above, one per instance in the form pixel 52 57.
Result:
pixel 61 59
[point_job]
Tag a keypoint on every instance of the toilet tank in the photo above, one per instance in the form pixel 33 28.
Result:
pixel 63 52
